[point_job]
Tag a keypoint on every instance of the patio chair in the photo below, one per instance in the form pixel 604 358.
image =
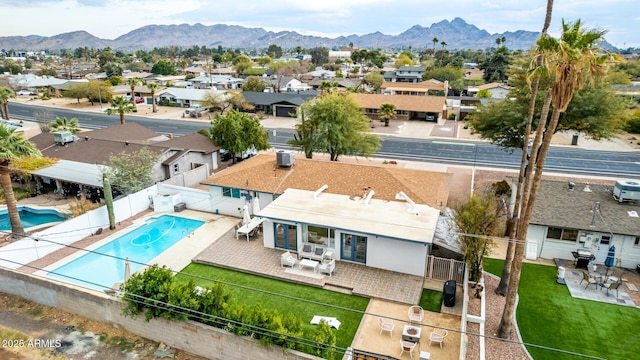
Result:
pixel 327 266
pixel 287 259
pixel 438 335
pixel 416 313
pixel 386 325
pixel 588 279
pixel 407 346
pixel 612 286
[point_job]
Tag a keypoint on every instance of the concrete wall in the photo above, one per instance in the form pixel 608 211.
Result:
pixel 194 199
pixel 189 336
pixel 189 178
pixel 229 205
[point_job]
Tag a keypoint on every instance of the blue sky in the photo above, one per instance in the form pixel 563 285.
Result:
pixel 110 19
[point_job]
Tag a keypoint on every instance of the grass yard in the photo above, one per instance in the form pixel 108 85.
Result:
pixel 350 320
pixel 431 300
pixel 548 315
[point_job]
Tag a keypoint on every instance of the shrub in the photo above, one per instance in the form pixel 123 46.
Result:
pixel 633 125
pixel 82 206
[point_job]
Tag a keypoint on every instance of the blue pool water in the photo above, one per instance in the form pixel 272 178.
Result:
pixel 140 245
pixel 31 217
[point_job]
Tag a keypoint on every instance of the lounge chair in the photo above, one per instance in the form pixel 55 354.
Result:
pixel 386 325
pixel 407 346
pixel 437 336
pixel 416 313
pixel 287 259
pixel 327 266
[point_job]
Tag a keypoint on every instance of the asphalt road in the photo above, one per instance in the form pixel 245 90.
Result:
pixel 559 159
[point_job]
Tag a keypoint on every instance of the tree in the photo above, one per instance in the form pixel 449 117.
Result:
pixel 319 55
pixel 101 91
pixel 453 75
pixel 152 88
pixel 338 127
pixel 484 94
pixel 112 69
pixel 5 95
pixel 571 59
pixel 133 82
pixel 435 41
pixel 404 59
pixel 253 83
pixel 65 125
pixel 164 67
pixel 386 112
pixel 77 91
pixel 13 146
pixel 495 66
pixel 374 79
pixel 263 61
pixel 120 106
pixel 274 51
pixel 478 216
pixel 237 132
pixel 131 171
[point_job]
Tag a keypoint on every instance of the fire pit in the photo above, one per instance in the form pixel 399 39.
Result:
pixel 411 333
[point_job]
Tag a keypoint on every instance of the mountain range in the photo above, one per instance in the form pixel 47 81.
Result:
pixel 457 34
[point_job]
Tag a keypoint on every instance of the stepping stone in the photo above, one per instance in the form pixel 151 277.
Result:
pixel 631 287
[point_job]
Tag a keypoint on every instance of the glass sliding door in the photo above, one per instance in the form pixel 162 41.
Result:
pixel 354 248
pixel 286 236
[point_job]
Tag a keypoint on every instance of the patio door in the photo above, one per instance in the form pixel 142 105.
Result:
pixel 286 236
pixel 354 248
pixel 603 248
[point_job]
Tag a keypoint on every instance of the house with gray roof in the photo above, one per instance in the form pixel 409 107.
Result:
pixel 279 104
pixel 569 216
pixel 405 74
pixel 181 97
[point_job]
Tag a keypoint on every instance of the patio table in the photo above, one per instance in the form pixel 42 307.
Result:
pixel 309 263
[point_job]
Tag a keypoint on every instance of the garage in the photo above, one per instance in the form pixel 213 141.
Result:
pixel 285 111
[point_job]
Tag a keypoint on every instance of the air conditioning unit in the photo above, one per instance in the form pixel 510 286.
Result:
pixel 626 190
pixel 63 137
pixel 284 158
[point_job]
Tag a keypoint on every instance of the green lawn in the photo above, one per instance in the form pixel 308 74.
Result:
pixel 431 300
pixel 305 310
pixel 548 315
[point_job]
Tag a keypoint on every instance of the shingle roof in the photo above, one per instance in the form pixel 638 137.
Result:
pixel 557 206
pixel 92 151
pixel 261 174
pixel 185 94
pixel 402 102
pixel 263 98
pixel 192 142
pixel 130 132
pixel 408 86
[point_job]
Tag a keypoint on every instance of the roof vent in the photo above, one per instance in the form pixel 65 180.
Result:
pixel 63 137
pixel 586 188
pixel 284 158
pixel 625 190
pixel 571 186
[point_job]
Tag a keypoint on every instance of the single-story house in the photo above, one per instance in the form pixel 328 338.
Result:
pixel 261 177
pixel 571 216
pixel 425 88
pixel 343 83
pixel 219 82
pixel 181 97
pixel 430 108
pixel 389 235
pixel 279 104
pixel 412 74
pixel 497 90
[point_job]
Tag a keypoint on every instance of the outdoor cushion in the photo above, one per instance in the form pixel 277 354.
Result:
pixel 306 248
pixel 319 251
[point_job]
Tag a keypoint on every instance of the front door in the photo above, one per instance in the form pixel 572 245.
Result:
pixel 286 236
pixel 354 248
pixel 603 248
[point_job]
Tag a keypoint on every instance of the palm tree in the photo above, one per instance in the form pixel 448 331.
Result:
pixel 435 41
pixel 386 112
pixel 511 223
pixel 65 125
pixel 5 95
pixel 133 82
pixel 152 87
pixel 443 43
pixel 570 59
pixel 13 146
pixel 120 106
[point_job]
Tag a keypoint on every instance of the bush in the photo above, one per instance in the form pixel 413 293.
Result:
pixel 633 125
pixel 82 206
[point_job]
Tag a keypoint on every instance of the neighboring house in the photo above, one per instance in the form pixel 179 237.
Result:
pixel 412 74
pixel 167 80
pixel 465 105
pixel 219 82
pixel 181 97
pixel 473 76
pixel 430 108
pixel 343 83
pixel 319 73
pixel 339 54
pixel 139 91
pixel 279 104
pixel 93 149
pixel 429 87
pixel 284 83
pixel 389 235
pixel 260 177
pixel 498 91
pixel 589 218
pixel 57 89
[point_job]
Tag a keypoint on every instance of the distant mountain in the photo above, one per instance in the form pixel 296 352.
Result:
pixel 457 34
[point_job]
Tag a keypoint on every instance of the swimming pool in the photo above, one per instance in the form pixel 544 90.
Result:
pixel 140 245
pixel 32 217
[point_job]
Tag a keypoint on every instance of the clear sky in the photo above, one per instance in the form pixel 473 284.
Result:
pixel 110 19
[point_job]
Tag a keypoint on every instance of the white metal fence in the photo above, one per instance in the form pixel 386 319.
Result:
pixel 444 269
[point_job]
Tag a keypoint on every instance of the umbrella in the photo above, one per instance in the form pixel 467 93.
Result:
pixel 608 262
pixel 245 215
pixel 256 205
pixel 127 270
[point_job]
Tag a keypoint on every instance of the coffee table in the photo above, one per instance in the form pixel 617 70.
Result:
pixel 309 263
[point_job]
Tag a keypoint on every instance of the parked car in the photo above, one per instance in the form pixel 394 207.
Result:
pixel 139 100
pixel 24 92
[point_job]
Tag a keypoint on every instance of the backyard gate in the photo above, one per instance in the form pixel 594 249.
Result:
pixel 444 269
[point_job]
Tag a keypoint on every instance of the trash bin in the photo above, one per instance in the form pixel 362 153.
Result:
pixel 561 271
pixel 574 140
pixel 449 293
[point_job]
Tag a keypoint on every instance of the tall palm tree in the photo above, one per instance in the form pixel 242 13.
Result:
pixel 63 124
pixel 153 87
pixel 133 82
pixel 5 95
pixel 435 41
pixel 13 146
pixel 386 112
pixel 570 60
pixel 511 223
pixel 443 43
pixel 120 106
